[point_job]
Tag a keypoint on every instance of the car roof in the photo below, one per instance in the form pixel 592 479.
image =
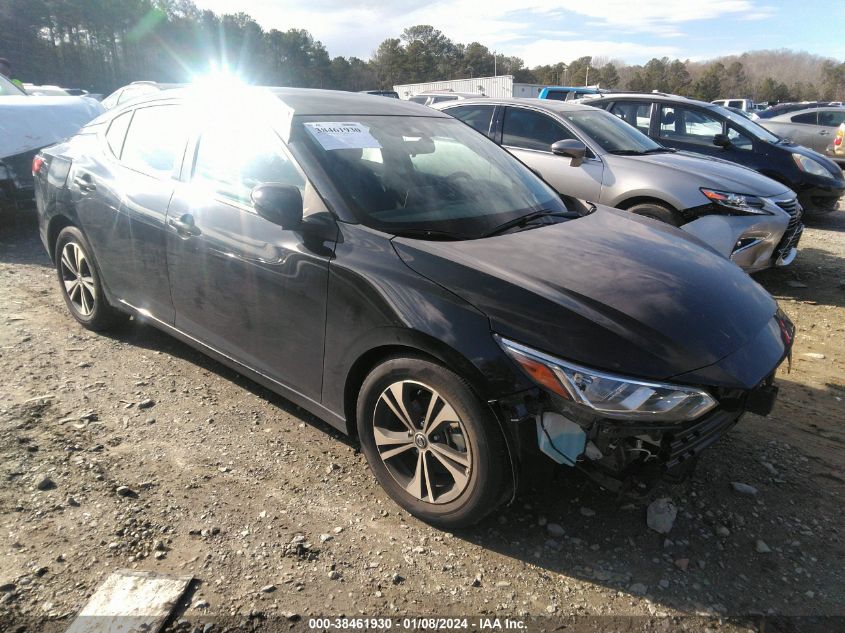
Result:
pixel 449 93
pixel 543 104
pixel 654 96
pixel 793 113
pixel 315 102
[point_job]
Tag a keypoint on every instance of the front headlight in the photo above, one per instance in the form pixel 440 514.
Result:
pixel 807 164
pixel 740 202
pixel 608 395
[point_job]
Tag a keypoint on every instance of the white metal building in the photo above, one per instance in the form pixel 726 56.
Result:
pixel 500 87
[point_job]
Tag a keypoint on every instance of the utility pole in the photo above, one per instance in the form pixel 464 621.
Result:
pixel 494 63
pixel 587 76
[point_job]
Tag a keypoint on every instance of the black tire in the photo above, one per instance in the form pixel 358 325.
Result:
pixel 86 301
pixel 489 468
pixel 657 211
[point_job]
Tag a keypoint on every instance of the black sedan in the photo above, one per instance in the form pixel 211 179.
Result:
pixel 392 271
pixel 710 129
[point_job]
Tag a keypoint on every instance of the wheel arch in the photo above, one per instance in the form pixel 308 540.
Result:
pixel 408 343
pixel 55 226
pixel 416 344
pixel 627 203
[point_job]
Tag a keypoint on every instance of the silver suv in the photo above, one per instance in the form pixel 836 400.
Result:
pixel 592 155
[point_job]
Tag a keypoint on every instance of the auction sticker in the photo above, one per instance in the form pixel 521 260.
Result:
pixel 342 135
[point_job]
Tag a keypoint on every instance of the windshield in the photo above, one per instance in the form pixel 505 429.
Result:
pixel 421 176
pixel 7 88
pixel 748 126
pixel 611 133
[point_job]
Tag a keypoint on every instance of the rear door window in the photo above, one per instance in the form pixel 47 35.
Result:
pixel 636 113
pixel 528 129
pixel 807 117
pixel 155 140
pixel 477 117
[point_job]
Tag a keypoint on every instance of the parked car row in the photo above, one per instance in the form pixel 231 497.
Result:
pixel 405 278
pixel 704 128
pixel 748 218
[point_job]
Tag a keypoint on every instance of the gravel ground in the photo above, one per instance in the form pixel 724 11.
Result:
pixel 131 450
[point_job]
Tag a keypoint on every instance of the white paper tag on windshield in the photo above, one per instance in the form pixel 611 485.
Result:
pixel 342 135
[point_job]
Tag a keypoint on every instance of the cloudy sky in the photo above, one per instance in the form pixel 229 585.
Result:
pixel 547 31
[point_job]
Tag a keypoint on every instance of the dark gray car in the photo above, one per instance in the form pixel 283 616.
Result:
pixel 747 217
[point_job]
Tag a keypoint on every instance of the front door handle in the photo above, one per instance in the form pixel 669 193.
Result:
pixel 184 226
pixel 85 182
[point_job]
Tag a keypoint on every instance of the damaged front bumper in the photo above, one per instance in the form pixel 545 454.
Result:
pixel 620 455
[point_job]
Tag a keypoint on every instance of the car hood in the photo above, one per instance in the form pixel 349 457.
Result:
pixel 608 290
pixel 28 123
pixel 711 172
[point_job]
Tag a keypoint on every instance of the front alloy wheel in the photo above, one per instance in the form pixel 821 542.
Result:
pixel 431 443
pixel 422 442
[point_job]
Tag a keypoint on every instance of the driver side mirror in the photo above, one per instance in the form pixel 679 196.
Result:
pixel 722 140
pixel 575 150
pixel 279 204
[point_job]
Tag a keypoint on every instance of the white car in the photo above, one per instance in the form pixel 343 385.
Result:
pixel 28 123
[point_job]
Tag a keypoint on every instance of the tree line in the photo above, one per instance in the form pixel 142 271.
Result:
pixel 100 45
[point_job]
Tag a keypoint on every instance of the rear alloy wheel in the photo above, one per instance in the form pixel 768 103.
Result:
pixel 80 282
pixel 432 445
pixel 657 211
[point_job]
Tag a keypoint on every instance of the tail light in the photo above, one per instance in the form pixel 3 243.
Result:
pixel 837 141
pixel 37 164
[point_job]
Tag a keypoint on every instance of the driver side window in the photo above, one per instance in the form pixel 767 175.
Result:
pixel 231 160
pixel 688 125
pixel 527 129
pixel 739 140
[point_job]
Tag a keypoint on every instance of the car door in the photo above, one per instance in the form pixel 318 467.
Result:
pixel 689 128
pixel 799 128
pixel 529 134
pixel 825 131
pixel 122 202
pixel 241 284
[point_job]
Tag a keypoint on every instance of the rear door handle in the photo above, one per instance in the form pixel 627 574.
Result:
pixel 824 133
pixel 85 182
pixel 184 226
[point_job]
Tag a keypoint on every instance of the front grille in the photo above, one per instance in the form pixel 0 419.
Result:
pixel 794 229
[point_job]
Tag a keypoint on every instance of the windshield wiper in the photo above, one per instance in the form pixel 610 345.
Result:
pixel 428 234
pixel 530 217
pixel 660 150
pixel 625 152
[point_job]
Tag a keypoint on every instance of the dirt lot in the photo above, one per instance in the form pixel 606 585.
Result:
pixel 277 517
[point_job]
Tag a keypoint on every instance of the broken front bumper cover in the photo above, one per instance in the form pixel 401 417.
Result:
pixel 618 453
